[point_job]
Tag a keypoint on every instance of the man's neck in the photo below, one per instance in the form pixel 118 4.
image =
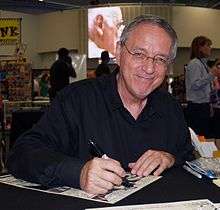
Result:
pixel 132 104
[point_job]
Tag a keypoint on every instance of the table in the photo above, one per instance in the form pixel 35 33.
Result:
pixel 176 185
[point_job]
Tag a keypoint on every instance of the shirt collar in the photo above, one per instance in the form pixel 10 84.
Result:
pixel 153 105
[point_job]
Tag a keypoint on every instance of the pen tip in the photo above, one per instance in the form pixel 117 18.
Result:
pixel 91 142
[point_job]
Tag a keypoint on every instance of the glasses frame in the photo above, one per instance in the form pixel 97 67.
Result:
pixel 155 62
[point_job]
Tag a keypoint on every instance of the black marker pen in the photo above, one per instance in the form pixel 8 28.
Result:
pixel 98 152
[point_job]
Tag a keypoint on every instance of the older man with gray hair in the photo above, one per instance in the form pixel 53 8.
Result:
pixel 140 127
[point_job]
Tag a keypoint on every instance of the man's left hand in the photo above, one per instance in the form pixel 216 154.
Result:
pixel 152 161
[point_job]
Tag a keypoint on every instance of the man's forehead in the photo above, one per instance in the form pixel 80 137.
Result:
pixel 150 37
pixel 146 29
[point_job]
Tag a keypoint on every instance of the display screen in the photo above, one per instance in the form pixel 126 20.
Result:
pixel 104 29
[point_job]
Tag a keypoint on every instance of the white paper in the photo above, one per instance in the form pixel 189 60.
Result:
pixel 112 197
pixel 216 182
pixel 217 205
pixel 208 164
pixel 182 205
pixel 208 148
pixel 205 149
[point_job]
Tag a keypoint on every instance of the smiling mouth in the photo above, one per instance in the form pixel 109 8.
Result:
pixel 145 77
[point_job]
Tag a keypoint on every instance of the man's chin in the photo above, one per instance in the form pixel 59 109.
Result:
pixel 142 95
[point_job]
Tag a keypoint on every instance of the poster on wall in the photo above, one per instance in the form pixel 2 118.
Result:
pixel 10 31
pixel 105 25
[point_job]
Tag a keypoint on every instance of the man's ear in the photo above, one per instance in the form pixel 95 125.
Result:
pixel 99 24
pixel 118 52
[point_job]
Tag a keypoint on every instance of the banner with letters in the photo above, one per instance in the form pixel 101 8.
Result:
pixel 10 31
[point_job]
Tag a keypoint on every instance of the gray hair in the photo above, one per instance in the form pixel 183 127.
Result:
pixel 154 20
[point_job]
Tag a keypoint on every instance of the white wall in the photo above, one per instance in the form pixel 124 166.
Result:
pixel 192 21
pixel 45 34
pixel 56 30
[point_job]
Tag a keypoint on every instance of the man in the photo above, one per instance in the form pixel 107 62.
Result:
pixel 104 25
pixel 139 127
pixel 60 72
pixel 103 68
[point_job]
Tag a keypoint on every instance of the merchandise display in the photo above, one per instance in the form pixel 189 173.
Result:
pixel 15 80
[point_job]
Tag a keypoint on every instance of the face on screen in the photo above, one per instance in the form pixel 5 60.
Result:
pixel 104 28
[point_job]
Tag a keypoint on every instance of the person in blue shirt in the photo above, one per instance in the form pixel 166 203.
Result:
pixel 198 80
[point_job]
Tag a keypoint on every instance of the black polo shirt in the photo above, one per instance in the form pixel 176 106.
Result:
pixel 55 149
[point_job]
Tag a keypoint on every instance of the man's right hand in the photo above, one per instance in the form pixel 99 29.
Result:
pixel 100 175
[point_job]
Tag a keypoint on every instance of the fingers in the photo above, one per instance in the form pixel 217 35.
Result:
pixel 131 165
pixel 113 166
pixel 99 175
pixel 152 161
pixel 94 189
pixel 112 178
pixel 145 159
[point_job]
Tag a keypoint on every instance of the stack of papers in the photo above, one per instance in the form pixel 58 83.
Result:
pixel 182 205
pixel 113 196
pixel 208 167
pixel 216 182
pixel 205 149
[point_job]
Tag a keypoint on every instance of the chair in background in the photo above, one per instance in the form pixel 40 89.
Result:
pixel 23 120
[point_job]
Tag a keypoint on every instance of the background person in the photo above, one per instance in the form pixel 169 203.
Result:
pixel 36 87
pixel 44 85
pixel 104 27
pixel 103 67
pixel 215 100
pixel 198 79
pixel 125 113
pixel 60 72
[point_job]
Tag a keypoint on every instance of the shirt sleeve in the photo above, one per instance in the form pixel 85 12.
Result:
pixel 71 71
pixel 47 153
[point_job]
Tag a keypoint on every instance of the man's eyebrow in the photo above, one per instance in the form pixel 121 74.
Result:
pixel 144 50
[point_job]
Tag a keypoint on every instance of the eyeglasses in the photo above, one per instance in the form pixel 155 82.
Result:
pixel 141 57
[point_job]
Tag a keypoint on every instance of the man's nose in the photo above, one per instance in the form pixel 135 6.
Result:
pixel 148 65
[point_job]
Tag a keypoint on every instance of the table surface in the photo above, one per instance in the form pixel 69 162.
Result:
pixel 175 185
